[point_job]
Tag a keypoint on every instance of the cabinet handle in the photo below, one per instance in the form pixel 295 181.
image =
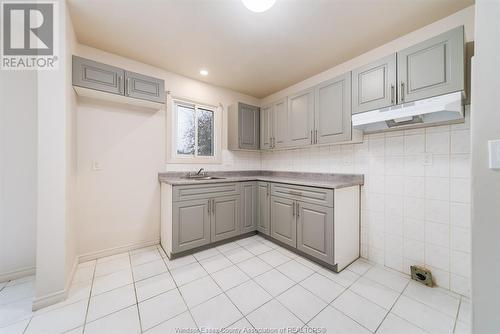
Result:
pixel 311 137
pixel 128 86
pixel 293 210
pixel 268 189
pixel 213 206
pixel 402 91
pixel 316 136
pixel 209 206
pixel 392 94
pixel 120 84
pixel 298 212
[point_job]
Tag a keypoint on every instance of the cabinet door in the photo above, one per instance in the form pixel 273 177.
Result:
pixel 266 126
pixel 332 119
pixel 248 207
pixel 301 118
pixel 280 132
pixel 143 87
pixel 225 217
pixel 433 67
pixel 283 224
pixel 263 207
pixel 190 225
pixel 91 74
pixel 248 126
pixel 315 231
pixel 374 85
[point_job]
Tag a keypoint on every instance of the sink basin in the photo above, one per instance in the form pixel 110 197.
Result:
pixel 199 178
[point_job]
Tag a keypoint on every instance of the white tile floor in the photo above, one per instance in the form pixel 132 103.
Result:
pixel 250 283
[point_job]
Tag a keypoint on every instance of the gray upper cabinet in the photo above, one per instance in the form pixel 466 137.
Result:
pixel 249 125
pixel 263 207
pixel 315 231
pixel 332 118
pixel 374 85
pixel 143 87
pixel 191 225
pixel 283 223
pixel 244 127
pixel 90 74
pixel 433 67
pixel 266 127
pixel 248 207
pixel 225 217
pixel 301 118
pixel 280 130
pixel 110 79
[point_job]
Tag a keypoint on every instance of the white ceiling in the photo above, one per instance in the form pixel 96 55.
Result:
pixel 256 54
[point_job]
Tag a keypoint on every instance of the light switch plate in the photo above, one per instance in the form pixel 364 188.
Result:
pixel 494 154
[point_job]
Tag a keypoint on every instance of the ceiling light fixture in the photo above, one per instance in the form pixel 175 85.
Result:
pixel 258 6
pixel 204 72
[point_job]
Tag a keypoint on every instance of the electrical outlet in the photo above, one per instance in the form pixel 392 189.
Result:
pixel 427 160
pixel 96 165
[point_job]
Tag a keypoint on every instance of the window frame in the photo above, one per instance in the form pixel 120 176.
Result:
pixel 173 156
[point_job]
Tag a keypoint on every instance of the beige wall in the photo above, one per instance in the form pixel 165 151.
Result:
pixel 411 213
pixel 55 234
pixel 17 173
pixel 485 124
pixel 119 206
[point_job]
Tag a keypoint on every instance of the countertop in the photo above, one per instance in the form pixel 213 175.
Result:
pixel 321 180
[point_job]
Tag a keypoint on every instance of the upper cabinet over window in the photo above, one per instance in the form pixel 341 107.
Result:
pixel 431 68
pixel 91 77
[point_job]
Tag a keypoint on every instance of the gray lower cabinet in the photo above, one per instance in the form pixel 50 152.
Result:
pixel 315 230
pixel 248 206
pixel 332 116
pixel 191 224
pixel 144 87
pixel 263 207
pixel 300 118
pixel 91 74
pixel 283 224
pixel 374 85
pixel 225 222
pixel 433 67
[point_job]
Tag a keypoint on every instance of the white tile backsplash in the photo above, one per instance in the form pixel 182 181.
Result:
pixel 411 212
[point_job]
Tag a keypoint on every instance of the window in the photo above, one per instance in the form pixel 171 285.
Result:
pixel 194 132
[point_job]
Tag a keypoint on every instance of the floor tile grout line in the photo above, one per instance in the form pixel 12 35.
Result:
pixel 456 317
pixel 135 289
pixel 90 297
pixel 27 325
pixel 392 306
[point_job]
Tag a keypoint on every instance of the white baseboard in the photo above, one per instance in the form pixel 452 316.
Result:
pixel 58 296
pixel 116 250
pixel 15 274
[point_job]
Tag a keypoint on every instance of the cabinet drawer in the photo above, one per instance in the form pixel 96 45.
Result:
pixel 205 191
pixel 307 194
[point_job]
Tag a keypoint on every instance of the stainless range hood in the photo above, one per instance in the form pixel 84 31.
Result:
pixel 444 109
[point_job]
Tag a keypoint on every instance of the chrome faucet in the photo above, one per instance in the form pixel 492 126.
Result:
pixel 201 170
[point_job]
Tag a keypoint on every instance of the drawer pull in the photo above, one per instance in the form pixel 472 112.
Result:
pixel 296 193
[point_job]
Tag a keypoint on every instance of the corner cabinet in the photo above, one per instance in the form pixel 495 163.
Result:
pixel 433 67
pixel 244 127
pixel 264 207
pixel 91 77
pixel 248 206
